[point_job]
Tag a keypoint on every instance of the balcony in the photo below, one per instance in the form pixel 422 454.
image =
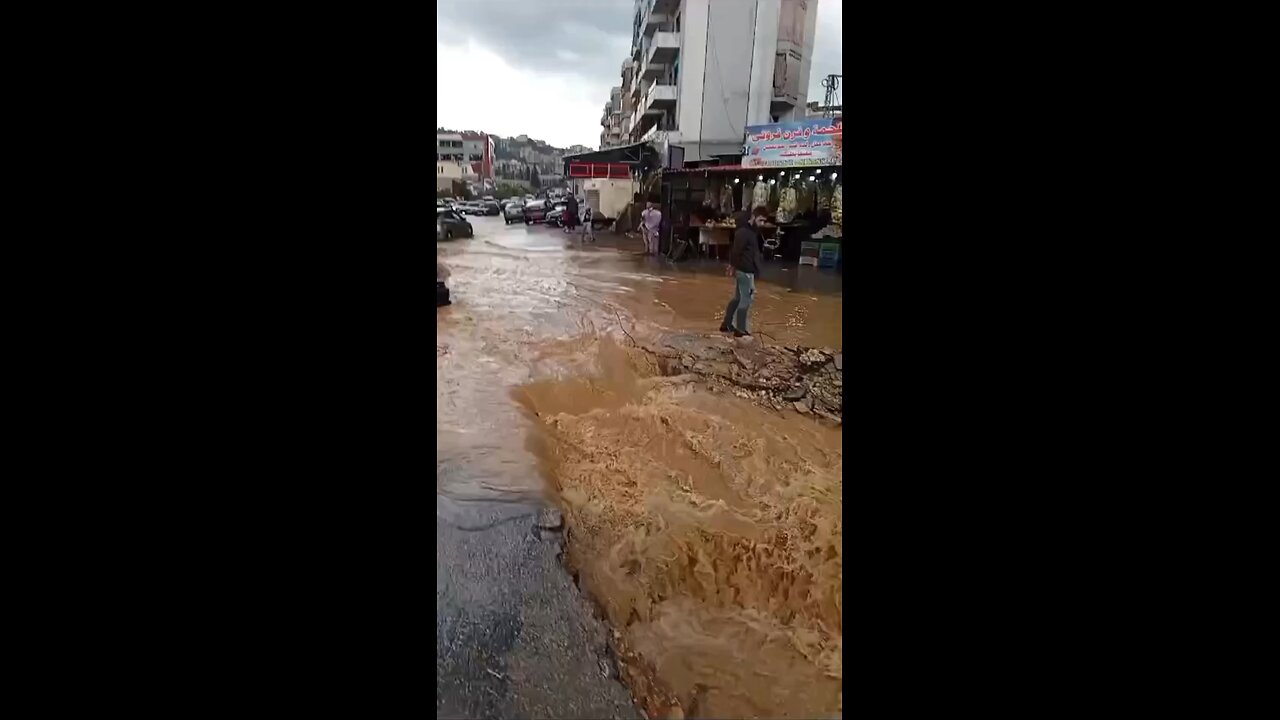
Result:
pixel 790 48
pixel 660 98
pixel 657 136
pixel 664 48
pixel 783 100
pixel 655 22
pixel 663 6
pixel 648 120
pixel 652 71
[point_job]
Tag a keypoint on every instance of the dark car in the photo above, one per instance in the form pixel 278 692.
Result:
pixel 449 225
pixel 536 211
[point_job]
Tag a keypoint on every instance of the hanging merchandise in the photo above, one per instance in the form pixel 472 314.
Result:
pixel 806 196
pixel 787 205
pixel 837 204
pixel 760 196
pixel 824 197
pixel 726 199
pixel 748 191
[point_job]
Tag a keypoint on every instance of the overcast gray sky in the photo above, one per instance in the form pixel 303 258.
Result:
pixel 544 67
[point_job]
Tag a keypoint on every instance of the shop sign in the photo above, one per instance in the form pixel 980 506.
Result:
pixel 814 141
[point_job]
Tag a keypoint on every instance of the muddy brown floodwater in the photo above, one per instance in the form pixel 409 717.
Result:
pixel 707 528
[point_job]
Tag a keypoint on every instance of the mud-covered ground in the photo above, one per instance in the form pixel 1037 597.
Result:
pixel 699 476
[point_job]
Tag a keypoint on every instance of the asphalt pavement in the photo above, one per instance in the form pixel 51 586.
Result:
pixel 515 637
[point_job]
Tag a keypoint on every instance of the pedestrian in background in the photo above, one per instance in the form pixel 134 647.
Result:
pixel 744 262
pixel 587 230
pixel 650 223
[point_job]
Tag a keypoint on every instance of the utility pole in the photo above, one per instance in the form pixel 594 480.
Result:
pixel 832 102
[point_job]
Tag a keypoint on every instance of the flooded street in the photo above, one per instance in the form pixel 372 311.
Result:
pixel 704 525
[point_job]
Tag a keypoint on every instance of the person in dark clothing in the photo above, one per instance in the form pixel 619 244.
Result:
pixel 745 260
pixel 571 214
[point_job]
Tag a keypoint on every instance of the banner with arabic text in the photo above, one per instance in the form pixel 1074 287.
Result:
pixel 814 141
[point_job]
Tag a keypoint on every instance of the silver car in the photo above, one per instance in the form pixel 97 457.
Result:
pixel 513 212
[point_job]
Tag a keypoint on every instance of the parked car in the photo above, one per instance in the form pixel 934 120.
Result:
pixel 513 212
pixel 450 224
pixel 536 211
pixel 491 208
pixel 556 215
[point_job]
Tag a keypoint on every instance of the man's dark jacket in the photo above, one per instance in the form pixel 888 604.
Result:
pixel 745 255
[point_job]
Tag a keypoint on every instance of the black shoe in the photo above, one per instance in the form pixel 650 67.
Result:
pixel 737 333
pixel 725 328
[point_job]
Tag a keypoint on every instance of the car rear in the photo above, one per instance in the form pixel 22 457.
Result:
pixel 535 212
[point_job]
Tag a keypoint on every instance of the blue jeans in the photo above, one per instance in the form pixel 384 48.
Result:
pixel 735 314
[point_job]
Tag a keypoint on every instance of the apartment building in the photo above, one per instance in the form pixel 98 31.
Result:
pixel 611 121
pixel 472 148
pixel 701 71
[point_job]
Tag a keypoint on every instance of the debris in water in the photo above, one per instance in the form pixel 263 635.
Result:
pixel 549 519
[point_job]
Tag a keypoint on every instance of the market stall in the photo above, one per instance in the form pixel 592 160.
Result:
pixel 790 169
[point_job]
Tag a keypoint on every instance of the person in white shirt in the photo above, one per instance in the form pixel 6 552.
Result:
pixel 650 223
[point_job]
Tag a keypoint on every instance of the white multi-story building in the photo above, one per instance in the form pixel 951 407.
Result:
pixel 701 71
pixel 611 121
pixel 472 148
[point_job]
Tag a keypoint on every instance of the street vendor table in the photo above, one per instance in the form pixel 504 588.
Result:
pixel 714 237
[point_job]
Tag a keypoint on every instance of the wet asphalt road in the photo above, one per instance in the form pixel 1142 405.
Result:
pixel 515 638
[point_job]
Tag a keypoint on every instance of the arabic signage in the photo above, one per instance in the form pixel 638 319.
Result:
pixel 815 141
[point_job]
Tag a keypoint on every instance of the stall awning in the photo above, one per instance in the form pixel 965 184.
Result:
pixel 743 168
pixel 616 171
pixel 641 155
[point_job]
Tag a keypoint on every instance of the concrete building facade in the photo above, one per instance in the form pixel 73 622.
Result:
pixel 472 148
pixel 701 71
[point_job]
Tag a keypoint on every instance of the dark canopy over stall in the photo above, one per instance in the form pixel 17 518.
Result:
pixel 641 156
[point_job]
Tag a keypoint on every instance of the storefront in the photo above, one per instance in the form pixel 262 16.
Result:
pixel 791 169
pixel 608 180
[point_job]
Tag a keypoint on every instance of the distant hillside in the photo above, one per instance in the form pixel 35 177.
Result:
pixel 513 152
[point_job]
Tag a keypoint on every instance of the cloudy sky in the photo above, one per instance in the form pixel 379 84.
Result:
pixel 544 67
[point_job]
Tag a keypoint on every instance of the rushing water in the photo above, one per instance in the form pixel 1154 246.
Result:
pixel 707 528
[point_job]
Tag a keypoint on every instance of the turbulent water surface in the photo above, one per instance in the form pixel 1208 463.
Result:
pixel 707 528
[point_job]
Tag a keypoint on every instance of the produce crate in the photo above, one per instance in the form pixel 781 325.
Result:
pixel 809 252
pixel 828 254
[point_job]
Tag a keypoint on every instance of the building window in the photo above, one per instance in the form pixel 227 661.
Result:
pixel 476 157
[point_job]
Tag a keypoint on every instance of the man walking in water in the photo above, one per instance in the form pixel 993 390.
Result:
pixel 744 259
pixel 650 222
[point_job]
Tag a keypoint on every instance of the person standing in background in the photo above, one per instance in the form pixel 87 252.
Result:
pixel 570 217
pixel 587 230
pixel 744 261
pixel 650 223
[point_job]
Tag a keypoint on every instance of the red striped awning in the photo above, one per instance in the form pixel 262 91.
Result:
pixel 619 171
